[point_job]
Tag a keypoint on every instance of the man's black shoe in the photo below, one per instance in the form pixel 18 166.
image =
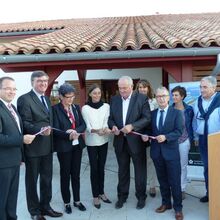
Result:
pixel 51 213
pixel 37 217
pixel 68 209
pixel 204 199
pixel 140 204
pixel 80 206
pixel 119 204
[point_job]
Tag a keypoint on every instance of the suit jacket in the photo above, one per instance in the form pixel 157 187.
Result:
pixel 62 122
pixel 138 115
pixel 172 129
pixel 35 116
pixel 11 139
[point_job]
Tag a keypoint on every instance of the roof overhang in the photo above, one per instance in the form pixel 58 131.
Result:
pixel 110 59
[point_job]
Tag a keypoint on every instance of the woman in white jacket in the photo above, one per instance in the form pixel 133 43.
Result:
pixel 95 114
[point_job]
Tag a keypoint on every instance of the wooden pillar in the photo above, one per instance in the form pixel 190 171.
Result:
pixel 187 73
pixel 174 69
pixel 82 84
pixel 53 73
pixel 180 71
pixel 165 78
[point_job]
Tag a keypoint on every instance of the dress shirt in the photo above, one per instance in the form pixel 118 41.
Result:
pixel 125 105
pixel 39 96
pixel 12 111
pixel 164 115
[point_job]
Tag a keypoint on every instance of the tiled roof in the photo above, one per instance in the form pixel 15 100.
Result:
pixel 116 33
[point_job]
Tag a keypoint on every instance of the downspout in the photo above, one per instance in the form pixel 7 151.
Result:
pixel 216 70
pixel 128 54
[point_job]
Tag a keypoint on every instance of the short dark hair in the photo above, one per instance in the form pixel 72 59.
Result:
pixel 37 74
pixel 181 90
pixel 66 88
pixel 145 83
pixel 91 88
pixel 5 78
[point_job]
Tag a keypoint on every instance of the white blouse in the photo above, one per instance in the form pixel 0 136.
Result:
pixel 95 119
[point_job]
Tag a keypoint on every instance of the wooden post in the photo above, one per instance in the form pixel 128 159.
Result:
pixel 214 177
pixel 82 84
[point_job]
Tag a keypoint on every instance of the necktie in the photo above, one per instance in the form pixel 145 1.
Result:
pixel 160 125
pixel 10 108
pixel 43 101
pixel 71 118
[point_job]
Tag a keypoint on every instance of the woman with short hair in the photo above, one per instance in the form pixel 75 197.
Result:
pixel 68 144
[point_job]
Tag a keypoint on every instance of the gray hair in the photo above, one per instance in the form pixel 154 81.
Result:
pixel 37 74
pixel 126 78
pixel 66 88
pixel 211 79
pixel 162 89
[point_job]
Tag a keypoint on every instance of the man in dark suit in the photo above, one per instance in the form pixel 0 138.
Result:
pixel 167 125
pixel 11 143
pixel 129 112
pixel 36 113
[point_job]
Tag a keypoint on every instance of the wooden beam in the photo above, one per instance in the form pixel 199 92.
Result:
pixel 53 73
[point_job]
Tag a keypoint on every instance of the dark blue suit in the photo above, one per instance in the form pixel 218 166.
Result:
pixel 69 156
pixel 11 144
pixel 166 157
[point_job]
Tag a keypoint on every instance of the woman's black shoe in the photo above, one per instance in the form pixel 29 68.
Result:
pixel 96 202
pixel 80 206
pixel 106 200
pixel 68 209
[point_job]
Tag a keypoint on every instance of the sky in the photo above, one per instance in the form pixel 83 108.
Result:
pixel 13 11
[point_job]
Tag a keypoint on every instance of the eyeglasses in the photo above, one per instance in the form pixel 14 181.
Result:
pixel 69 97
pixel 161 96
pixel 42 81
pixel 8 89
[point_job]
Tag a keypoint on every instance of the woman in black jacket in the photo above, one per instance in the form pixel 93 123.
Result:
pixel 68 143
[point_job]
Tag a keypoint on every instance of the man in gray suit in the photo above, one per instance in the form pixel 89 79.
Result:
pixel 129 112
pixel 36 113
pixel 11 144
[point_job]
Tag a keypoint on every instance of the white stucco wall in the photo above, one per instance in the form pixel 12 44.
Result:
pixel 153 75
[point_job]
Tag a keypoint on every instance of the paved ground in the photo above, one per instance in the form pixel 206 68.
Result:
pixel 192 208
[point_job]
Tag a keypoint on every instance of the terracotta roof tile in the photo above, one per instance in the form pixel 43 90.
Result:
pixel 116 33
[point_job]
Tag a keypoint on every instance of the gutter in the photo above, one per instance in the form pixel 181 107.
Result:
pixel 216 70
pixel 102 55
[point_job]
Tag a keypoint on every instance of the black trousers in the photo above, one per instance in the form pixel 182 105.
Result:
pixel 38 167
pixel 97 159
pixel 139 162
pixel 9 181
pixel 70 164
pixel 169 177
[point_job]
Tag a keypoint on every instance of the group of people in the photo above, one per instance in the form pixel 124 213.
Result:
pixel 140 122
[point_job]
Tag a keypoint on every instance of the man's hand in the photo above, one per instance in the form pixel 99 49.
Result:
pixel 107 131
pixel 115 130
pixel 127 129
pixel 72 134
pixel 46 131
pixel 28 138
pixel 145 138
pixel 161 138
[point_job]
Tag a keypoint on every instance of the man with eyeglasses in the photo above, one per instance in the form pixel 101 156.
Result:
pixel 36 113
pixel 206 120
pixel 167 126
pixel 11 147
